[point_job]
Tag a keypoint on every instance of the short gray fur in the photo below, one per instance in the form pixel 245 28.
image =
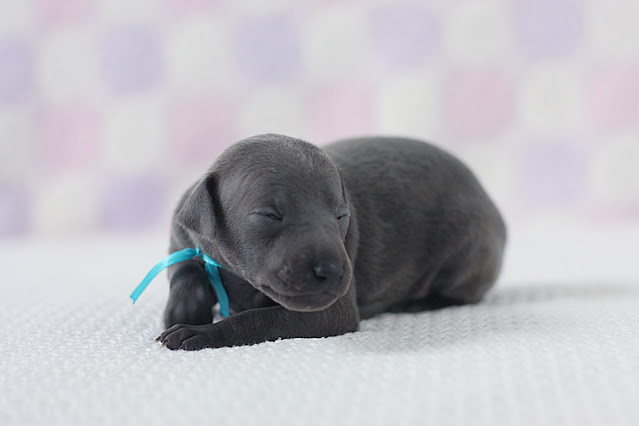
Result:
pixel 313 240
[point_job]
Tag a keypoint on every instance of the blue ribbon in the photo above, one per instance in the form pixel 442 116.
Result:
pixel 210 265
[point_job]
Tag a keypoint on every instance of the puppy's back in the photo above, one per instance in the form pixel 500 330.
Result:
pixel 418 209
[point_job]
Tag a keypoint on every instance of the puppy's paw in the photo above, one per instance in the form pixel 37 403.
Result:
pixel 187 337
pixel 189 305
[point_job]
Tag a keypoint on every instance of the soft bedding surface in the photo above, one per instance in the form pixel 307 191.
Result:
pixel 556 342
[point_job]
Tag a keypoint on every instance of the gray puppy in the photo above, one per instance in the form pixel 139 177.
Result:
pixel 314 240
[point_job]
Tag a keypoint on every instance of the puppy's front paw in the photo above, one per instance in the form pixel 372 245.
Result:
pixel 189 305
pixel 187 337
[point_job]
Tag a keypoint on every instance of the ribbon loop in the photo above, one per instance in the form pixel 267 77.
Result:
pixel 210 266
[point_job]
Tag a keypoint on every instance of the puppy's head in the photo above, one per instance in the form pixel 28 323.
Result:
pixel 274 211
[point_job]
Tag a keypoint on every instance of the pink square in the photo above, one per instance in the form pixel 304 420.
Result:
pixel 69 138
pixel 64 12
pixel 477 104
pixel 200 128
pixel 613 215
pixel 341 109
pixel 614 98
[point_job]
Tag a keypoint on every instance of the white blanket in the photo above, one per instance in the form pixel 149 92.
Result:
pixel 73 350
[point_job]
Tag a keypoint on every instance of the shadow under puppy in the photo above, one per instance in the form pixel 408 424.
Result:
pixel 312 240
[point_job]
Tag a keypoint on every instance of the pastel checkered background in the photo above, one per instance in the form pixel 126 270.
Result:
pixel 110 109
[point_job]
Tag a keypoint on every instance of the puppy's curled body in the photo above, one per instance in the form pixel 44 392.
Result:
pixel 313 240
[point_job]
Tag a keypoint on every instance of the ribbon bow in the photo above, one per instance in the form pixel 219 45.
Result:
pixel 210 265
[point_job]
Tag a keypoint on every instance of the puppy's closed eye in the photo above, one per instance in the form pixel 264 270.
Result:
pixel 268 213
pixel 343 213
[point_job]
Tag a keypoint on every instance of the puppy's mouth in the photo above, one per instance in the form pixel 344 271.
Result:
pixel 304 302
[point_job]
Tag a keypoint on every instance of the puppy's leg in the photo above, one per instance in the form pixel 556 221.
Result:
pixel 191 296
pixel 265 324
pixel 465 279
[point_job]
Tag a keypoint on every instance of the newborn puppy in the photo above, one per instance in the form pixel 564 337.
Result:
pixel 312 240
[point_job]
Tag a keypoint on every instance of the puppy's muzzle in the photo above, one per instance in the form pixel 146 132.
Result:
pixel 327 271
pixel 303 275
pixel 308 283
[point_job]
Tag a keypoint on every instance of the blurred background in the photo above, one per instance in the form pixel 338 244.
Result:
pixel 110 109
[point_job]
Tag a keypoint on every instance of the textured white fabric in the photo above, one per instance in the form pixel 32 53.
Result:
pixel 73 350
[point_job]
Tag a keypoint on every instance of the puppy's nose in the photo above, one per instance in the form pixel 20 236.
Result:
pixel 327 271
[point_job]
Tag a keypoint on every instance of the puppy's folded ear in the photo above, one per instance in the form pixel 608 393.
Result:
pixel 197 213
